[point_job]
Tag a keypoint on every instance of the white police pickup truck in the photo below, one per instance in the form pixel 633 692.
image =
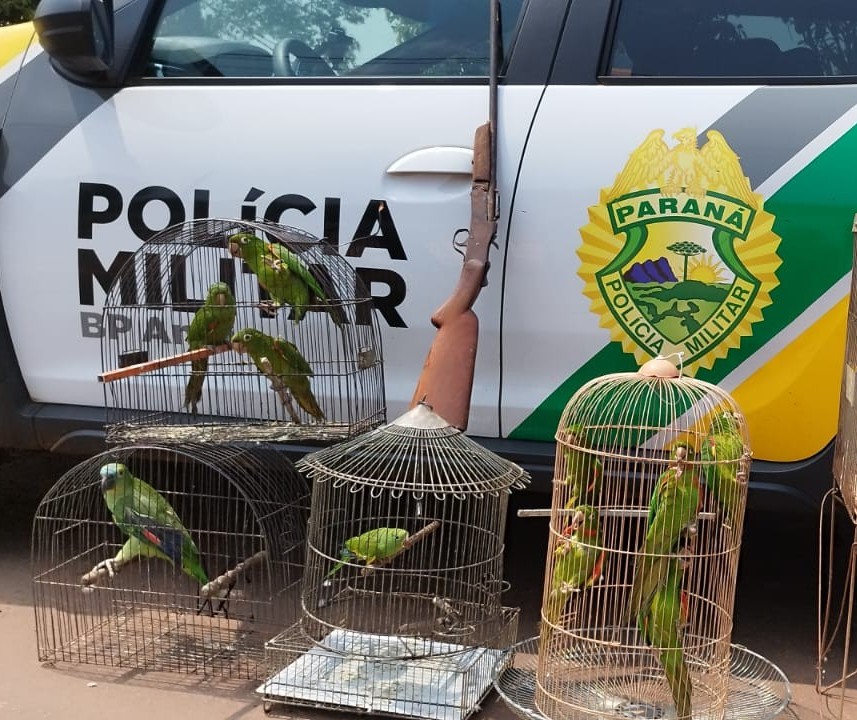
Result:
pixel 673 175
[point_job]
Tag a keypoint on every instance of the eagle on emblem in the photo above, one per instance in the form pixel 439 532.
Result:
pixel 714 166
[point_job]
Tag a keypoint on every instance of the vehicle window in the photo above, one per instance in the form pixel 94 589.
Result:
pixel 324 38
pixel 735 38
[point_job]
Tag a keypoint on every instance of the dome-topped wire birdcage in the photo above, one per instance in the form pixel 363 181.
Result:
pixel 645 532
pixel 401 598
pixel 208 601
pixel 221 330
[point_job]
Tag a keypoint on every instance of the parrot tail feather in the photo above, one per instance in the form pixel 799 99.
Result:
pixel 678 678
pixel 193 391
pixel 345 556
pixel 310 405
pixel 337 313
pixel 650 575
pixel 555 606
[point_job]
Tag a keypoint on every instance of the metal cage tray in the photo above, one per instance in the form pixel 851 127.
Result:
pixel 758 689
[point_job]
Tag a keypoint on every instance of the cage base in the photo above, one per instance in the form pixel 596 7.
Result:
pixel 758 690
pixel 334 675
pixel 176 642
pixel 240 432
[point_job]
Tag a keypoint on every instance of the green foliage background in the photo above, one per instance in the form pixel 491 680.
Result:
pixel 15 11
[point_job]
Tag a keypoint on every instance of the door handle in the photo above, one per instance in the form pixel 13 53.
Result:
pixel 440 160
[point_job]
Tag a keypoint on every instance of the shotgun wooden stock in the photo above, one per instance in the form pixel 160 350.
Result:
pixel 446 380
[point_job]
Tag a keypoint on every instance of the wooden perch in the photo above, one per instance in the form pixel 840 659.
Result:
pixel 99 572
pixel 228 578
pixel 152 365
pixel 407 545
pixel 604 512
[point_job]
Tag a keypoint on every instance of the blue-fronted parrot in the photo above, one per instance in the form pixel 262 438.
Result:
pixel 673 509
pixel 583 471
pixel 578 560
pixel 281 362
pixel 721 451
pixel 211 325
pixel 149 521
pixel 371 546
pixel 284 275
pixel 662 626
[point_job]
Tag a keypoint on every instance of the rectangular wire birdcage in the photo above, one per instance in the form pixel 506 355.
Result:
pixel 347 671
pixel 845 453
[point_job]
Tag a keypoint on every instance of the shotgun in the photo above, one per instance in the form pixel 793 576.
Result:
pixel 446 380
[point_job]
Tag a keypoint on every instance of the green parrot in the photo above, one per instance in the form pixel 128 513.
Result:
pixel 211 325
pixel 578 562
pixel 720 453
pixel 151 524
pixel 672 510
pixel 583 472
pixel 281 362
pixel 662 626
pixel 284 275
pixel 371 546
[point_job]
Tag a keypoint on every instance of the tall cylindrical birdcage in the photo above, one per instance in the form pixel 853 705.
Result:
pixel 404 573
pixel 221 330
pixel 647 513
pixel 177 558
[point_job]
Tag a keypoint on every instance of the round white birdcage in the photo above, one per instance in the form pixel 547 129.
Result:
pixel 401 598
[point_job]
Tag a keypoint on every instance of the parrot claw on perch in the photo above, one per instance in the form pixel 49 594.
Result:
pixel 223 596
pixel 109 564
pixel 267 308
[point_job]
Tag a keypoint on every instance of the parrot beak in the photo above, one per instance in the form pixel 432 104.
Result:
pixel 234 249
pixel 577 521
pixel 220 299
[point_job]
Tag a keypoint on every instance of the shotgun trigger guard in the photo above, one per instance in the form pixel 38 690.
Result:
pixel 460 245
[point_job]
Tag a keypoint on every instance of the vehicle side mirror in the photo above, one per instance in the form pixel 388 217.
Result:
pixel 77 34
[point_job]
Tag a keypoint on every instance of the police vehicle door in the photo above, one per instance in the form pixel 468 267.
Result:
pixel 351 119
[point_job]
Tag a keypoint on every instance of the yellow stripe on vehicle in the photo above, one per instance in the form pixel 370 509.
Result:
pixel 14 40
pixel 805 374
